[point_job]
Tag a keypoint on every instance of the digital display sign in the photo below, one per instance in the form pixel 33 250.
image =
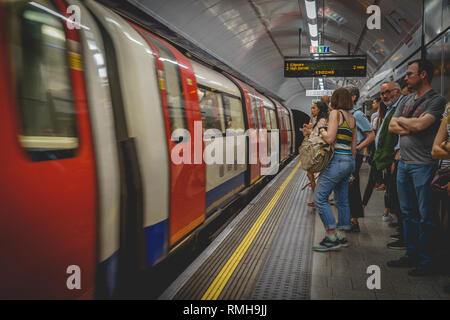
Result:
pixel 308 68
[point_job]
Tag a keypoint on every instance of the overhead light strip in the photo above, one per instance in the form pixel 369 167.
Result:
pixel 313 30
pixel 311 11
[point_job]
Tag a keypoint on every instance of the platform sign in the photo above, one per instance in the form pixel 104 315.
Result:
pixel 325 67
pixel 319 93
pixel 319 49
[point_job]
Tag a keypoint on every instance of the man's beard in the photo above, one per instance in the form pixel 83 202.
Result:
pixel 389 103
pixel 414 87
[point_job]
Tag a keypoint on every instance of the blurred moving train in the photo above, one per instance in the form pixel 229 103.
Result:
pixel 86 122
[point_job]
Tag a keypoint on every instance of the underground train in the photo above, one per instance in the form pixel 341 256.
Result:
pixel 88 113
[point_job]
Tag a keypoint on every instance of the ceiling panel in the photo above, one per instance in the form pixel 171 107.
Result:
pixel 253 36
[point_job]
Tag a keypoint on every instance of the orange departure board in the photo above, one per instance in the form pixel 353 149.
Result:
pixel 308 68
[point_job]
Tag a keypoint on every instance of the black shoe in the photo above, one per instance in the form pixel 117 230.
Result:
pixel 354 227
pixel 403 262
pixel 343 242
pixel 424 270
pixel 393 224
pixel 328 244
pixel 397 245
pixel 395 236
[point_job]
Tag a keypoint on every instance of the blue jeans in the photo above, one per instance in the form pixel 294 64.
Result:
pixel 335 178
pixel 417 203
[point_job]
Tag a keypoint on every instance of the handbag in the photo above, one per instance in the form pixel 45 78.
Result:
pixel 440 181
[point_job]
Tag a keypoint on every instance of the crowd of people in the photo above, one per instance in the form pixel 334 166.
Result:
pixel 405 142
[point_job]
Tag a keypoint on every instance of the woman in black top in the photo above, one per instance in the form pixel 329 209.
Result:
pixel 319 114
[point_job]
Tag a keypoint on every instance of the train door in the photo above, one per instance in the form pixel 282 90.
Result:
pixel 178 89
pixel 263 141
pixel 288 132
pixel 293 129
pixel 252 169
pixel 285 133
pixel 283 138
pixel 47 170
pixel 254 140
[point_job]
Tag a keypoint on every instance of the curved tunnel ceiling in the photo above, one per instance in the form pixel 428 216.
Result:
pixel 253 36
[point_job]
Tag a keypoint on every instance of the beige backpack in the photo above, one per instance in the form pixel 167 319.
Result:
pixel 315 154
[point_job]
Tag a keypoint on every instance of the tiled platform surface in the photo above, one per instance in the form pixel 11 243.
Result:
pixel 342 274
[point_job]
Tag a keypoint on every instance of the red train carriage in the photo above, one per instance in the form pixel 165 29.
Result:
pixel 91 120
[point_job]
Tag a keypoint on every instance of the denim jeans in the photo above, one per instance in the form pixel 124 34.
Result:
pixel 335 178
pixel 417 204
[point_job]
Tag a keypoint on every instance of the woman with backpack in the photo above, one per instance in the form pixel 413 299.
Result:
pixel 341 131
pixel 319 116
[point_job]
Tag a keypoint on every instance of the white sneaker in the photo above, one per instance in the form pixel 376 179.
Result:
pixel 388 217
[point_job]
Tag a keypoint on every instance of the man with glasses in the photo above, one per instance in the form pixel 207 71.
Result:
pixel 386 157
pixel 417 121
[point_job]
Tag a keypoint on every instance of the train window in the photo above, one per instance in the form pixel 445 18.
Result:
pixel 260 116
pixel 254 112
pixel 288 122
pixel 211 110
pixel 283 124
pixel 234 117
pixel 267 116
pixel 173 86
pixel 273 119
pixel 43 86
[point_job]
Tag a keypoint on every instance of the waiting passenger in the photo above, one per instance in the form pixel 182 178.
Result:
pixel 416 120
pixel 405 89
pixel 375 175
pixel 325 99
pixel 441 145
pixel 386 159
pixel 441 150
pixel 319 116
pixel 374 117
pixel 365 137
pixel 335 177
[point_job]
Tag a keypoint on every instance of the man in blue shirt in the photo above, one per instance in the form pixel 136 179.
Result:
pixel 365 136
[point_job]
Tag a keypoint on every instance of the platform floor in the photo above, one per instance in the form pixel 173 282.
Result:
pixel 265 254
pixel 342 275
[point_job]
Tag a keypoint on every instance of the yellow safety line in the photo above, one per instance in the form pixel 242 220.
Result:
pixel 224 275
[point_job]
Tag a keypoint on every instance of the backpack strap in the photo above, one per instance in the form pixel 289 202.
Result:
pixel 344 118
